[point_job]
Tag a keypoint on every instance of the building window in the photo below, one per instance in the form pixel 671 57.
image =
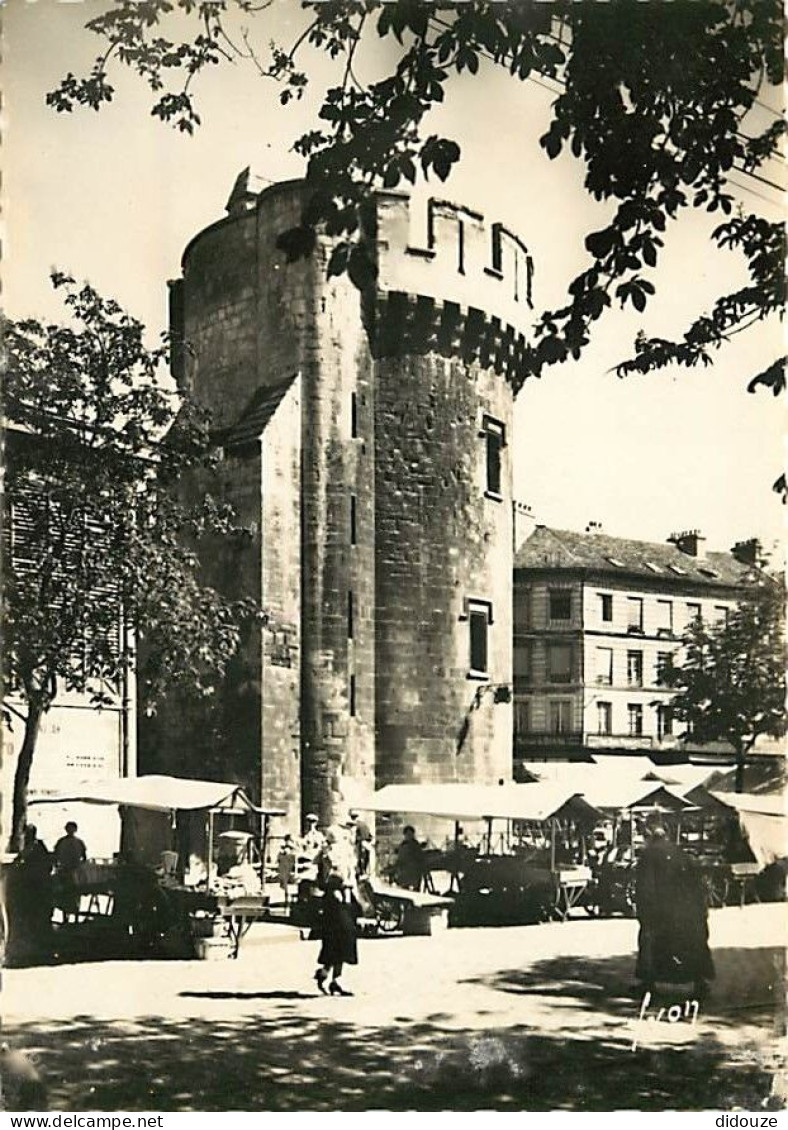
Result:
pixel 560 714
pixel 635 719
pixel 522 716
pixel 353 416
pixel 604 717
pixel 522 661
pixel 604 666
pixel 663 661
pixel 522 606
pixel 635 668
pixel 721 613
pixel 479 616
pixel 635 614
pixel 664 721
pixel 352 519
pixel 350 615
pixel 560 606
pixel 559 663
pixel 352 696
pixel 664 617
pixel 693 613
pixel 493 434
pixel 606 607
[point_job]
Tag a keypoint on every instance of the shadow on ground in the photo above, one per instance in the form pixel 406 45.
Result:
pixel 748 982
pixel 284 1061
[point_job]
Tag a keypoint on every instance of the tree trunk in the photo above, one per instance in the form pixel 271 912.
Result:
pixel 740 762
pixel 35 711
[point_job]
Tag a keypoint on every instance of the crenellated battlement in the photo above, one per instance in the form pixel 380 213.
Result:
pixel 466 262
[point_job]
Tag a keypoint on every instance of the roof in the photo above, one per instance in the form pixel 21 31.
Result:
pixel 765 775
pixel 254 418
pixel 752 802
pixel 615 782
pixel 656 561
pixel 162 794
pixel 764 821
pixel 480 802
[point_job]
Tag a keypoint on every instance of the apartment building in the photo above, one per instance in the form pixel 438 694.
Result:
pixel 595 620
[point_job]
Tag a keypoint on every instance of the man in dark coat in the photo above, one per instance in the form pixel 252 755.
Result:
pixel 69 854
pixel 673 944
pixel 409 866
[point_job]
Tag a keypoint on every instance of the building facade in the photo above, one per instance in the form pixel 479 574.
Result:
pixel 366 439
pixel 77 742
pixel 595 620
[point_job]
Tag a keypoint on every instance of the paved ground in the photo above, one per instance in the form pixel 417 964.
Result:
pixel 531 1018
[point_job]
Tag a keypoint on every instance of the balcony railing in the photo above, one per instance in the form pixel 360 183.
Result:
pixel 540 738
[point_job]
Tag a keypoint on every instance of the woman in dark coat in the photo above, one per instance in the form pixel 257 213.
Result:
pixel 673 944
pixel 338 916
pixel 28 895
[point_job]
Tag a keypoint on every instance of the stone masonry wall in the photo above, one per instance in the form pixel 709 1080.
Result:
pixel 397 532
pixel 440 541
pixel 253 319
pixel 280 582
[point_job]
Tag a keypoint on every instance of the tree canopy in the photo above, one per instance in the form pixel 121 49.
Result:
pixel 653 98
pixel 99 539
pixel 730 677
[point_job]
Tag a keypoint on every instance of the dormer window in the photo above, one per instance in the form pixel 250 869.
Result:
pixel 678 570
pixel 614 561
pixel 654 568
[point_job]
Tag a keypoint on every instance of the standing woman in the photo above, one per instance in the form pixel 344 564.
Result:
pixel 339 913
pixel 673 944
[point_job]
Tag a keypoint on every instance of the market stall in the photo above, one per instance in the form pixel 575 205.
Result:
pixel 529 861
pixel 189 869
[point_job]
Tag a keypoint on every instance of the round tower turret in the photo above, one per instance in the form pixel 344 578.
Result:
pixel 368 443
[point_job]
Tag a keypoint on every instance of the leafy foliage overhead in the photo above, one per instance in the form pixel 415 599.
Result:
pixel 101 536
pixel 652 99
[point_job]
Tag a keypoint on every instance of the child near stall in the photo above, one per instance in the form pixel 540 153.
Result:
pixel 286 865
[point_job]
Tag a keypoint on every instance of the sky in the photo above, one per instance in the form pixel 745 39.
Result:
pixel 115 196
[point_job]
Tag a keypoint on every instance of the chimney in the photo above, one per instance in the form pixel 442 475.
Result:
pixel 748 552
pixel 691 542
pixel 248 186
pixel 594 528
pixel 524 523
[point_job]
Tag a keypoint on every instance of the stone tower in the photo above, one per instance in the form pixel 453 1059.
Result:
pixel 367 442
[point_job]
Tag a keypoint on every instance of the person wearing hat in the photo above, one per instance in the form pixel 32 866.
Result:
pixel 312 840
pixel 339 911
pixel 673 943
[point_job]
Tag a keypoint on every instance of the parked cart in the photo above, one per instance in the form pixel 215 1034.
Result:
pixel 394 909
pixel 530 863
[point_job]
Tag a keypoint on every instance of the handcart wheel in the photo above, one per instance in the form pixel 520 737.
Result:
pixel 389 915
